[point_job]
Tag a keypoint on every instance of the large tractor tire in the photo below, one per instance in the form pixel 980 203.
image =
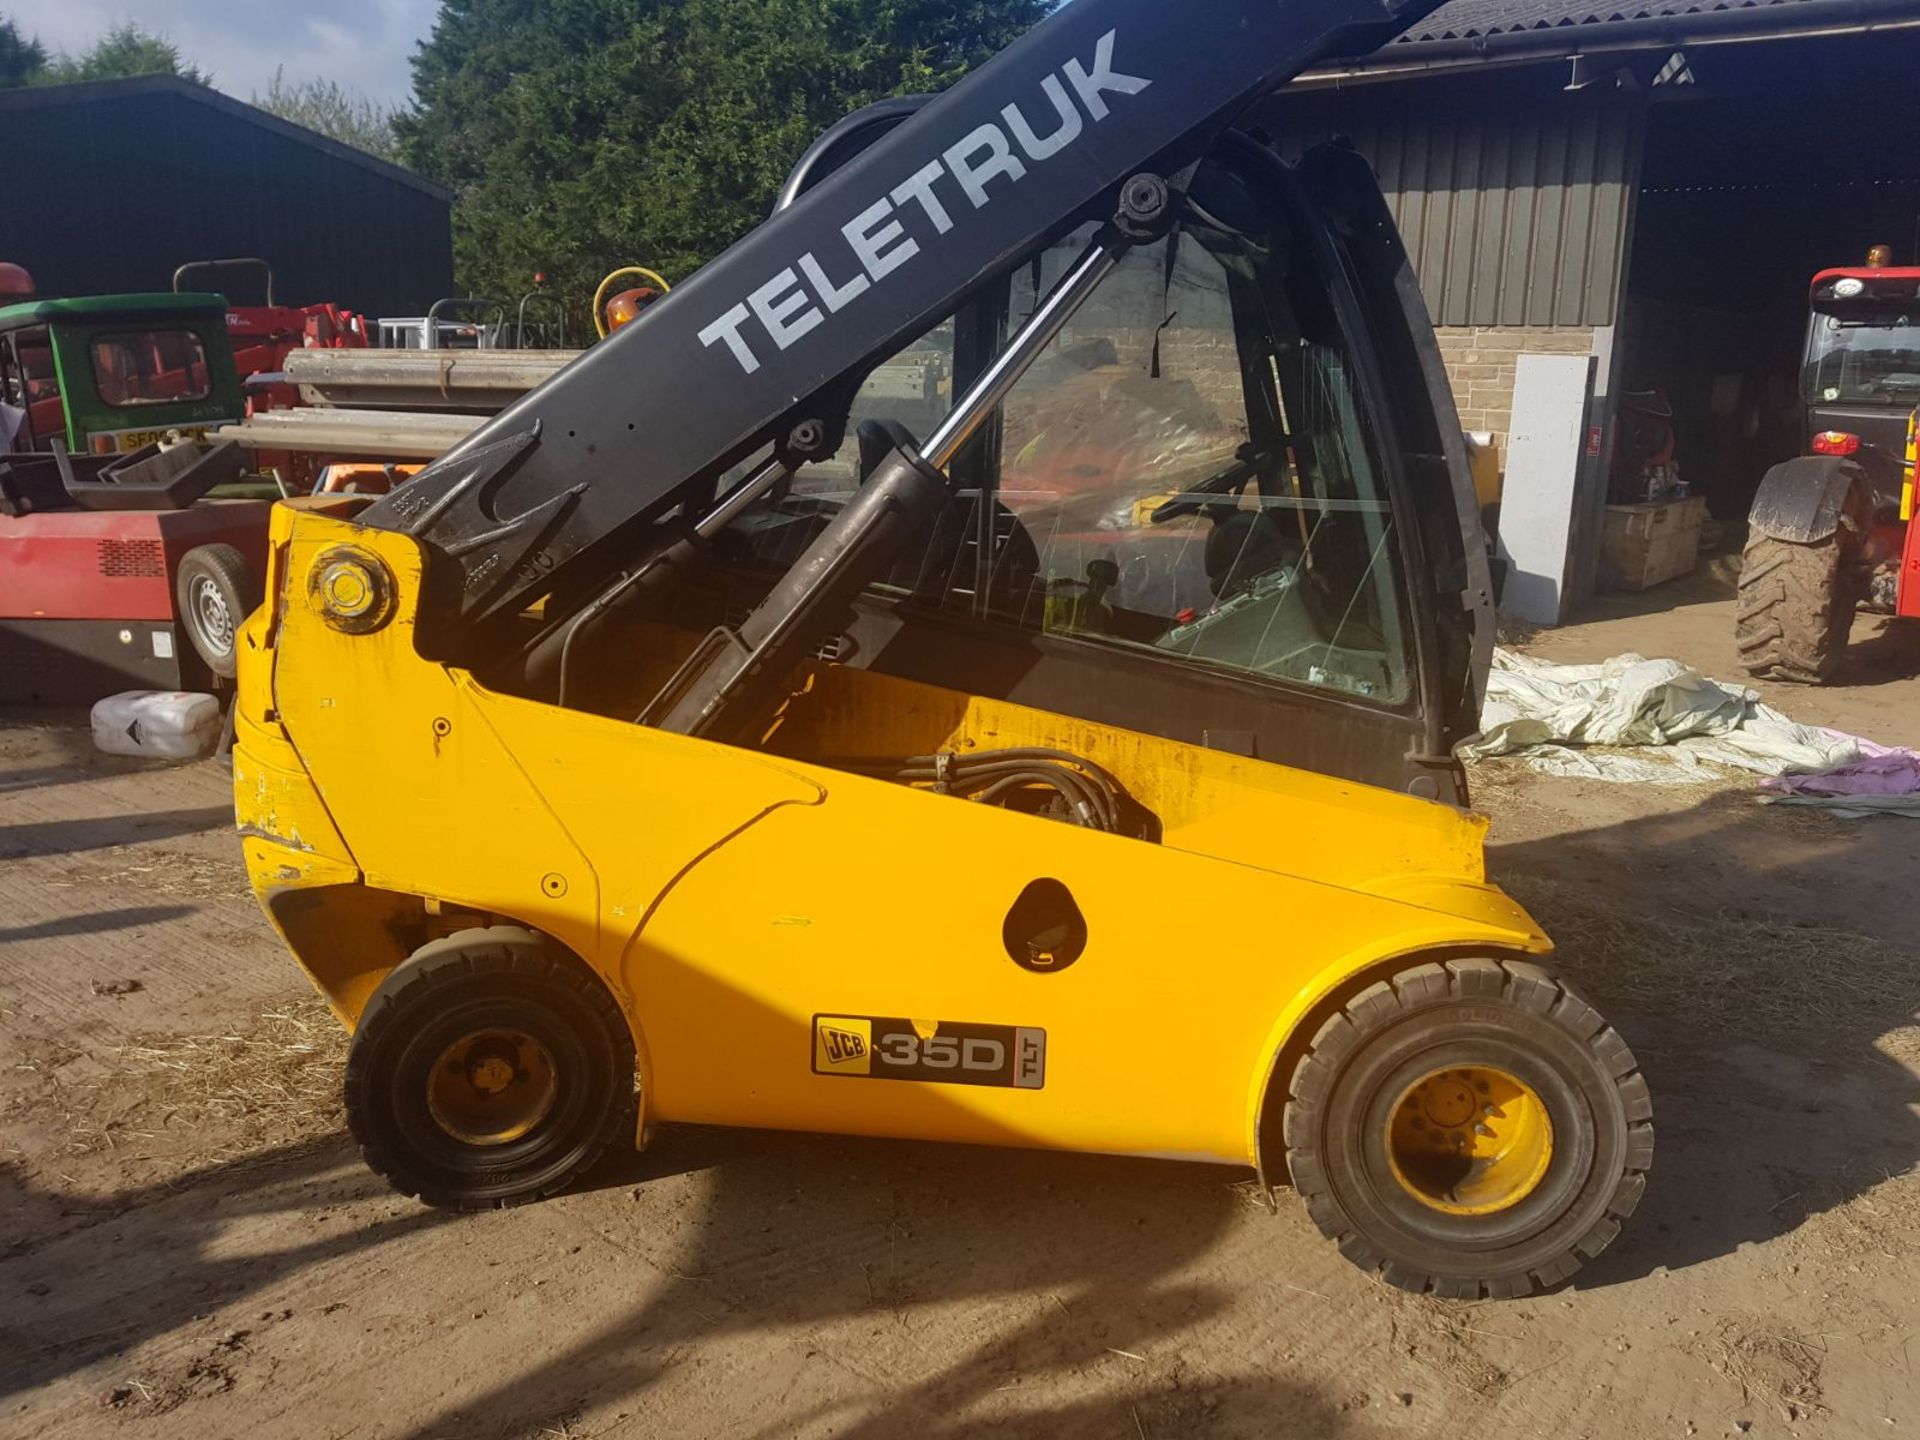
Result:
pixel 1469 1130
pixel 1795 608
pixel 489 1070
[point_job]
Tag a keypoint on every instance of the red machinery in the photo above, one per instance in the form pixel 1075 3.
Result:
pixel 116 571
pixel 1833 529
pixel 111 581
pixel 264 335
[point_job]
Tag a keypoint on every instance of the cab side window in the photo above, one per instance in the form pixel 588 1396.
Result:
pixel 1189 470
pixel 1139 400
pixel 33 387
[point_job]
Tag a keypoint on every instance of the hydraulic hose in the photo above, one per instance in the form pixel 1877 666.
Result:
pixel 1092 795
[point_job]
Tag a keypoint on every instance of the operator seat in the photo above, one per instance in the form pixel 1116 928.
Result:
pixel 1245 544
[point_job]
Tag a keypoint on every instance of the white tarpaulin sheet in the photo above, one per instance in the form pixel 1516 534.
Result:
pixel 1680 721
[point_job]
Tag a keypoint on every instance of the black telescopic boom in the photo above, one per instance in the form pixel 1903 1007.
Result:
pixel 879 251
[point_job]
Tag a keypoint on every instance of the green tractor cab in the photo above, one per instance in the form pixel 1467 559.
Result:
pixel 111 374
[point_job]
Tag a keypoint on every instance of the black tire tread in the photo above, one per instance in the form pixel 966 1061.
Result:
pixel 498 949
pixel 1516 982
pixel 1794 610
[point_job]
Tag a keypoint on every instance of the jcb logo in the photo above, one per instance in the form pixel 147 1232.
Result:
pixel 842 1045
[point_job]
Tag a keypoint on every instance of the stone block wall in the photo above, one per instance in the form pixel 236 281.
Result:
pixel 1480 362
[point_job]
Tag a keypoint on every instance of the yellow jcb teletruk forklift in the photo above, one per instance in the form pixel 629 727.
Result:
pixel 979 661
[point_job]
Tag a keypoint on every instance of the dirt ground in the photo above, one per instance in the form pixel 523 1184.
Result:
pixel 189 1246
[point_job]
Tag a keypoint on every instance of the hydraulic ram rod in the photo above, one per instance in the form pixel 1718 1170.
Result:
pixel 556 647
pixel 1043 327
pixel 724 689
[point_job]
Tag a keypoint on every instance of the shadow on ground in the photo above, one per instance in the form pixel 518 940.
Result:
pixel 1712 583
pixel 62 738
pixel 69 837
pixel 1729 943
pixel 96 922
pixel 1883 651
pixel 1082 1258
pixel 138 1264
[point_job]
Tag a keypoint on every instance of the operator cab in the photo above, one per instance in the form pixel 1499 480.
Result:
pixel 1861 380
pixel 1220 507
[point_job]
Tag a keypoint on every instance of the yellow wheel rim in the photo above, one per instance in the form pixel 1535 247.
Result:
pixel 491 1087
pixel 1469 1140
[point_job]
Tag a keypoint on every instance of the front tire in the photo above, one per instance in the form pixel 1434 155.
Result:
pixel 1469 1130
pixel 489 1070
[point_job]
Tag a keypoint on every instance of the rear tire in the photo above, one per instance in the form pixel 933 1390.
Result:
pixel 1434 1208
pixel 216 591
pixel 1794 609
pixel 489 1070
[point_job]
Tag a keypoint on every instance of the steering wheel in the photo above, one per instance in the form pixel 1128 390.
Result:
pixel 1245 467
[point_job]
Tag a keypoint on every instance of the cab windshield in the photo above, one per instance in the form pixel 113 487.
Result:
pixel 150 367
pixel 1865 360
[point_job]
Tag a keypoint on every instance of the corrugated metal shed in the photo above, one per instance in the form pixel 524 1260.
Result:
pixel 113 184
pixel 1512 170
pixel 1483 19
pixel 1514 210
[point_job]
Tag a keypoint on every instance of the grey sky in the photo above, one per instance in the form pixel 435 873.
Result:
pixel 363 44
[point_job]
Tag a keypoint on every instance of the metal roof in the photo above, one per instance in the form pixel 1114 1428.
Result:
pixel 44 97
pixel 1512 20
pixel 119 307
pixel 130 178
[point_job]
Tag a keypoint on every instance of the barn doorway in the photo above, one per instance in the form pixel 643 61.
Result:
pixel 1764 163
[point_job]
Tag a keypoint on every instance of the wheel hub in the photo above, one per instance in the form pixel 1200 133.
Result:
pixel 491 1087
pixel 1469 1141
pixel 216 621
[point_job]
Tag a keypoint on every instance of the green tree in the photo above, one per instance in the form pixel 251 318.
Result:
pixel 333 110
pixel 583 134
pixel 21 59
pixel 125 50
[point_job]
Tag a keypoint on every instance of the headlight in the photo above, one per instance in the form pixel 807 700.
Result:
pixel 1849 286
